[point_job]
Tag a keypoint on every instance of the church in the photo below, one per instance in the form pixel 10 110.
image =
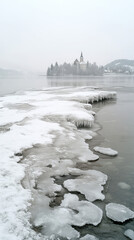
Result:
pixel 81 64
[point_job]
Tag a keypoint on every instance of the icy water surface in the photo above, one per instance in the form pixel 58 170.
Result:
pixel 115 121
pixel 114 125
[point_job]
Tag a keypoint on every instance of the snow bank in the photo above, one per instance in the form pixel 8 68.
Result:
pixel 106 151
pixel 118 212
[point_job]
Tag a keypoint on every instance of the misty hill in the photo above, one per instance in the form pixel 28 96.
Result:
pixel 8 72
pixel 120 66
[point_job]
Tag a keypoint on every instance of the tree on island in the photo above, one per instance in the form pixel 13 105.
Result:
pixel 75 69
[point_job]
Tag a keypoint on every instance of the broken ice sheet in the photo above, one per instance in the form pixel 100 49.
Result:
pixel 90 183
pixel 49 122
pixel 88 213
pixel 71 212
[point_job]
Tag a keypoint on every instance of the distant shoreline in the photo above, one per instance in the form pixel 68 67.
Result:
pixel 83 76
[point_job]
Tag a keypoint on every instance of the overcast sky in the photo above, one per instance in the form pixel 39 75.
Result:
pixel 36 33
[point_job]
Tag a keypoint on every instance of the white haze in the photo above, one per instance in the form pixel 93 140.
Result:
pixel 35 33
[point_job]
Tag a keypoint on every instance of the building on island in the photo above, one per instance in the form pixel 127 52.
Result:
pixel 81 64
pixel 78 68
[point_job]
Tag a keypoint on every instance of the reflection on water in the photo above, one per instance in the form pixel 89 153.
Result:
pixel 24 82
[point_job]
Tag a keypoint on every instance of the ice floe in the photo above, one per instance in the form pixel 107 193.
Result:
pixel 106 151
pixel 118 212
pixel 89 237
pixel 72 212
pixel 129 233
pixel 90 183
pixel 88 213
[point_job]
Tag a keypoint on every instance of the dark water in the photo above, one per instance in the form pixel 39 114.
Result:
pixel 115 120
pixel 116 123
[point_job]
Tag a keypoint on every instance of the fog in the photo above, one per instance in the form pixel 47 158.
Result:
pixel 36 33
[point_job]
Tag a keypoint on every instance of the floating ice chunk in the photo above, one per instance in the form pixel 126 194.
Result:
pixel 106 151
pixel 118 212
pixel 59 220
pixel 89 184
pixel 129 233
pixel 88 213
pixel 124 185
pixel 89 237
pixel 54 222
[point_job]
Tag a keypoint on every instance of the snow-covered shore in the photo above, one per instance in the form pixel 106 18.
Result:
pixel 40 141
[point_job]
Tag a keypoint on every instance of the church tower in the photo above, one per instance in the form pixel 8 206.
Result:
pixel 81 58
pixel 82 64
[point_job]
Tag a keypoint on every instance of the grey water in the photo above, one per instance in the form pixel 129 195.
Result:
pixel 115 128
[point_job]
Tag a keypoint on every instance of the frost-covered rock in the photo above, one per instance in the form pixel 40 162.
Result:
pixel 118 212
pixel 89 237
pixel 106 151
pixel 129 233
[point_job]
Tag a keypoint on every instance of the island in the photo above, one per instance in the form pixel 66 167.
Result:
pixel 78 68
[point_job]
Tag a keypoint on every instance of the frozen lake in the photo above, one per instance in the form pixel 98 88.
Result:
pixel 114 125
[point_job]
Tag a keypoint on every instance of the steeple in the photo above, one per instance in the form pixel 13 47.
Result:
pixel 81 57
